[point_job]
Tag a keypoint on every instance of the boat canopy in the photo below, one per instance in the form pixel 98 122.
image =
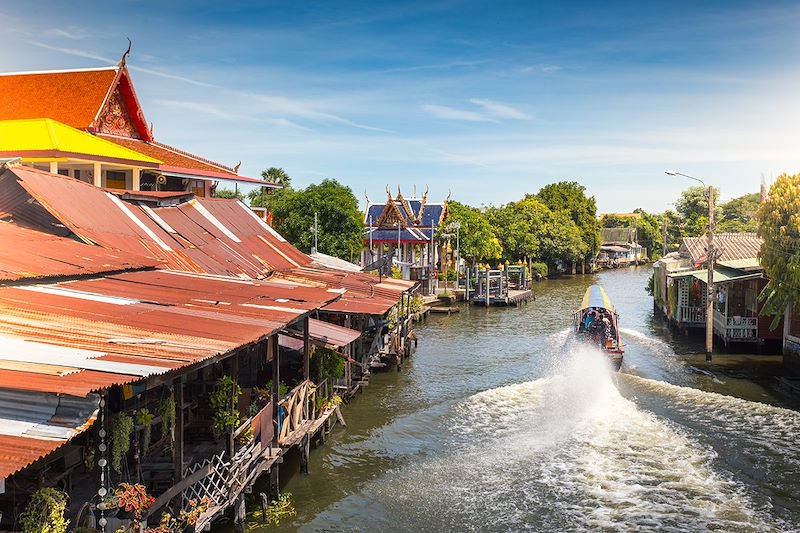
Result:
pixel 595 296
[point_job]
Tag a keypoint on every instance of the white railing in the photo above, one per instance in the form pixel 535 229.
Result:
pixel 692 315
pixel 736 328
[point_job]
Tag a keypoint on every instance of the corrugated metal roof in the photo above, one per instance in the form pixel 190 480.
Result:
pixel 34 254
pixel 214 236
pixel 732 246
pixel 18 452
pixel 122 328
pixel 323 333
pixel 33 424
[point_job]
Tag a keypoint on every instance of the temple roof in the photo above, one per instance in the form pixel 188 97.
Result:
pixel 76 98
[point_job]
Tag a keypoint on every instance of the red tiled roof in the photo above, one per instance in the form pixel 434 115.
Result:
pixel 732 246
pixel 180 161
pixel 73 98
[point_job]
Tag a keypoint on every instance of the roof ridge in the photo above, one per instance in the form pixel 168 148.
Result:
pixel 58 71
pixel 192 156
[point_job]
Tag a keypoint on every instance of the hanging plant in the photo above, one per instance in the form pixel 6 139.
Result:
pixel 45 512
pixel 167 411
pixel 145 418
pixel 121 429
pixel 326 363
pixel 224 400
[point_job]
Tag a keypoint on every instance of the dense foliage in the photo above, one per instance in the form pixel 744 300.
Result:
pixel 227 193
pixel 339 217
pixel 225 400
pixel 779 226
pixel 45 512
pixel 477 239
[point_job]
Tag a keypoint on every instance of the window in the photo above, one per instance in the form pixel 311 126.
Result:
pixel 115 179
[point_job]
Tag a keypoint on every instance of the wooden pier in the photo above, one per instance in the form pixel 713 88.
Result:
pixel 506 287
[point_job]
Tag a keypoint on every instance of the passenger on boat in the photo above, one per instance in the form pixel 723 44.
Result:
pixel 587 321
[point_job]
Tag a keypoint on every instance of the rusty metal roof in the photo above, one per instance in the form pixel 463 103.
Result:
pixel 34 254
pixel 125 327
pixel 322 333
pixel 213 236
pixel 364 294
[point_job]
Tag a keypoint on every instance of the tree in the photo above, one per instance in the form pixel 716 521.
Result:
pixel 739 214
pixel 561 240
pixel 692 206
pixel 518 227
pixel 478 241
pixel 227 193
pixel 570 197
pixel 278 176
pixel 779 226
pixel 339 218
pixel 258 197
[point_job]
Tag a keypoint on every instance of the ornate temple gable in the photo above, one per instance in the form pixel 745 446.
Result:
pixel 391 215
pixel 121 114
pixel 407 208
pixel 115 118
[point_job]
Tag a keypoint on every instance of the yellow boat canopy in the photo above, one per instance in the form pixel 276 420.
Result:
pixel 595 296
pixel 30 138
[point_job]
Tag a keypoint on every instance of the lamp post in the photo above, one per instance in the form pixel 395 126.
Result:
pixel 709 262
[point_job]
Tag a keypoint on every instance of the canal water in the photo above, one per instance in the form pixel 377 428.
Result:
pixel 501 423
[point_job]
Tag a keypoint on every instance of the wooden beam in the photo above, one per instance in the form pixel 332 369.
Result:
pixel 306 348
pixel 180 420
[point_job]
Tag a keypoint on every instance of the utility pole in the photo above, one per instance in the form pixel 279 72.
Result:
pixel 315 230
pixel 664 244
pixel 710 258
pixel 710 295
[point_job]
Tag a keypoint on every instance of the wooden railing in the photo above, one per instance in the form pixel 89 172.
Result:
pixel 297 411
pixel 691 315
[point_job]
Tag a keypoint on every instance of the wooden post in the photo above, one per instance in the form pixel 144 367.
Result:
pixel 180 421
pixel 230 444
pixel 710 294
pixel 273 350
pixel 136 179
pixel 306 348
pixel 487 286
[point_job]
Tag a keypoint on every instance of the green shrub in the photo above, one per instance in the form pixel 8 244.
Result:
pixel 539 270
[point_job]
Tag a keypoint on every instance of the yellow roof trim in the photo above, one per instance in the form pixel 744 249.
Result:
pixel 45 134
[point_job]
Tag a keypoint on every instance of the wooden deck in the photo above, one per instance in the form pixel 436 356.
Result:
pixel 512 297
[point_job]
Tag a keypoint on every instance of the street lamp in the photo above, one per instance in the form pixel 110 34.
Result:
pixel 709 262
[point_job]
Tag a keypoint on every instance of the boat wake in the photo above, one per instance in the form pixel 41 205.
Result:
pixel 568 452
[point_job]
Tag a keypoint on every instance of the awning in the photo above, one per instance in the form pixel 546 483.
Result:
pixel 322 334
pixel 34 424
pixel 725 275
pixel 46 138
pixel 748 265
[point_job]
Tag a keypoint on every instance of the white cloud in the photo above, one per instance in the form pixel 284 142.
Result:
pixel 451 113
pixel 500 110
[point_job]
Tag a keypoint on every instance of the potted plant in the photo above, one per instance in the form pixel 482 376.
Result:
pixel 121 429
pixel 132 501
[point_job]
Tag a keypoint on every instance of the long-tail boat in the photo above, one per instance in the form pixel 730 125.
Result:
pixel 597 322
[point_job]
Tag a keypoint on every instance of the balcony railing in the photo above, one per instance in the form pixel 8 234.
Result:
pixel 736 328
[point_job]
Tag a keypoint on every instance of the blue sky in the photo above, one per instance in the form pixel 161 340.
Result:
pixel 489 100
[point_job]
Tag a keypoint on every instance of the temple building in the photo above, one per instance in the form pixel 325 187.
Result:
pixel 89 125
pixel 404 227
